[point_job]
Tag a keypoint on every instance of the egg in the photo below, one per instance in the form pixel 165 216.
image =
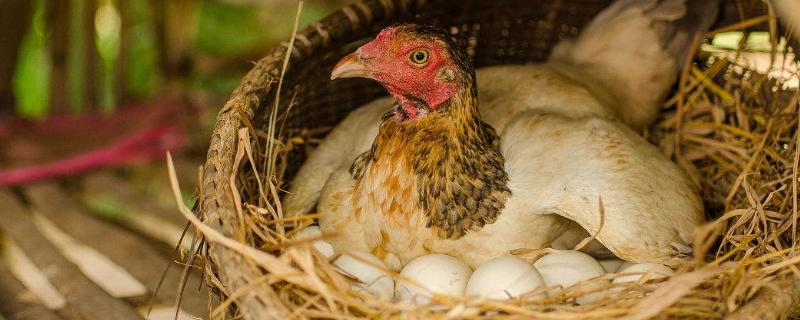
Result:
pixel 568 267
pixel 611 265
pixel 504 278
pixel 651 270
pixel 624 265
pixel 371 279
pixel 313 232
pixel 432 274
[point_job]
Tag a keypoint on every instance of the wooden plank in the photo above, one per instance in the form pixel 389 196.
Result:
pixel 121 246
pixel 111 277
pixel 18 303
pixel 155 180
pixel 31 277
pixel 107 184
pixel 89 301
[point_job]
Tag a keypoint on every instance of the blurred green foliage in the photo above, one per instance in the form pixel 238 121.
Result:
pixel 32 78
pixel 223 29
pixel 142 74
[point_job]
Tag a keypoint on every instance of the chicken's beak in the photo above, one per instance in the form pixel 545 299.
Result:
pixel 350 66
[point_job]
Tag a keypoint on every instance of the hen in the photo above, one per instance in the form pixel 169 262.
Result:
pixel 523 165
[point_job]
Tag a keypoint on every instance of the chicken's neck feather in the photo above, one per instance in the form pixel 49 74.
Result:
pixel 451 157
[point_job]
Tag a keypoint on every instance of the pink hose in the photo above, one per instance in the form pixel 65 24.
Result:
pixel 146 144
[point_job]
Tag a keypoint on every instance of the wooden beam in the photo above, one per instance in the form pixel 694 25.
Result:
pixel 123 247
pixel 15 18
pixel 121 65
pixel 89 301
pixel 175 24
pixel 58 16
pixel 18 303
pixel 91 58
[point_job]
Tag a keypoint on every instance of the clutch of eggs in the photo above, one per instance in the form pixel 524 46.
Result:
pixel 505 277
pixel 501 278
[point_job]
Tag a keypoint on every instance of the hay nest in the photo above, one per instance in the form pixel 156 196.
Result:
pixel 733 130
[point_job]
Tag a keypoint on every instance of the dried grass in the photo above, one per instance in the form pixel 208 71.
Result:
pixel 735 132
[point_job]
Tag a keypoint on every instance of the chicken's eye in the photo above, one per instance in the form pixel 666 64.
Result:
pixel 420 56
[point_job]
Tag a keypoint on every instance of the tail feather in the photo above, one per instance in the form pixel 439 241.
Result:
pixel 630 54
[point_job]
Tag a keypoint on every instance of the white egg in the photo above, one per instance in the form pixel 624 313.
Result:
pixel 624 265
pixel 504 278
pixel 611 265
pixel 312 232
pixel 432 274
pixel 652 270
pixel 568 267
pixel 372 279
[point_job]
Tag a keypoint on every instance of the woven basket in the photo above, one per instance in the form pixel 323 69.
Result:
pixel 494 32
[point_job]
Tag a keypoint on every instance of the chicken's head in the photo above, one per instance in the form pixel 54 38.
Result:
pixel 421 66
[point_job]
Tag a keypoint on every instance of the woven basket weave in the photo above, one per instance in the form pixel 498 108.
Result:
pixel 494 32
